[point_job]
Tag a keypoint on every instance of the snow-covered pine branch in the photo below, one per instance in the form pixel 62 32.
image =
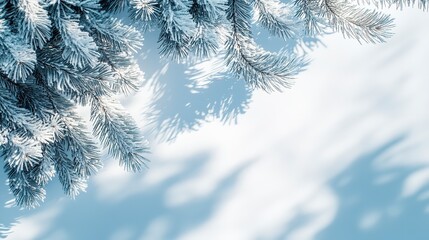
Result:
pixel 177 28
pixel 17 58
pixel 34 22
pixel 276 17
pixel 357 23
pixel 306 10
pixel 119 133
pixel 55 56
pixel 399 4
pixel 261 69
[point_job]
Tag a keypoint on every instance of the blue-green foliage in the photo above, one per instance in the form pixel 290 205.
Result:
pixel 56 55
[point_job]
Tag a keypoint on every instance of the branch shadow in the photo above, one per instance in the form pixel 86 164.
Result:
pixel 134 217
pixel 187 95
pixel 6 230
pixel 9 216
pixel 180 106
pixel 182 102
pixel 370 203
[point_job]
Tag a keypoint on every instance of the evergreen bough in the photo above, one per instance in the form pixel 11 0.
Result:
pixel 54 56
pixel 57 55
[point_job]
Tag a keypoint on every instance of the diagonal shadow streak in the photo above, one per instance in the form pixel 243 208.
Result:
pixel 370 205
pixel 88 218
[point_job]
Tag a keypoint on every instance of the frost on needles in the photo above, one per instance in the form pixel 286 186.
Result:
pixel 56 55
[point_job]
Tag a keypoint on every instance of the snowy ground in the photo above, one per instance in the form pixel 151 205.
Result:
pixel 343 155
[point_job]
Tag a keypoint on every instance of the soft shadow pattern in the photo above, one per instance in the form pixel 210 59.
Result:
pixel 87 219
pixel 8 216
pixel 299 221
pixel 181 103
pixel 5 230
pixel 370 205
pixel 180 106
pixel 303 44
pixel 184 98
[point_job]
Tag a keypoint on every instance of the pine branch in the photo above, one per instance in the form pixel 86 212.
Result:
pixel 34 21
pixel 74 154
pixel 28 193
pixel 78 84
pixel 113 34
pixel 358 23
pixel 259 68
pixel 42 81
pixel 306 10
pixel 114 5
pixel 119 133
pixel 126 72
pixel 79 48
pixel 399 4
pixel 17 59
pixel 273 15
pixel 421 4
pixel 147 12
pixel 208 16
pixel 176 29
pixel 21 121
